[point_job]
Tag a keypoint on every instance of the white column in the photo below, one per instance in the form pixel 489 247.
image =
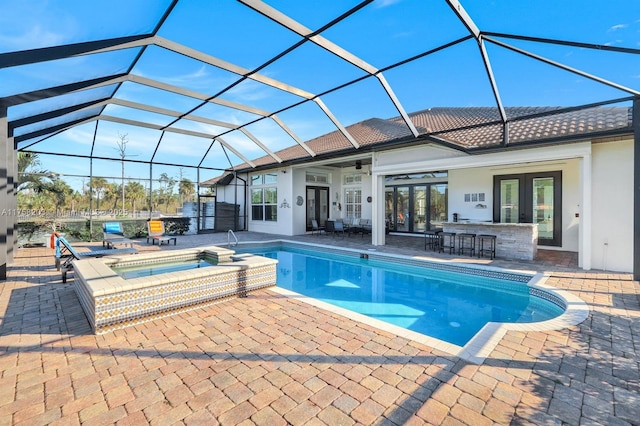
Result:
pixel 377 211
pixel 584 230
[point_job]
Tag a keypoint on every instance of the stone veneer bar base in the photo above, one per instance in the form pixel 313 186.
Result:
pixel 111 302
pixel 514 241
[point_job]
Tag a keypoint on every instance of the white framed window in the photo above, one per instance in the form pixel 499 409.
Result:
pixel 353 202
pixel 317 177
pixel 352 179
pixel 264 197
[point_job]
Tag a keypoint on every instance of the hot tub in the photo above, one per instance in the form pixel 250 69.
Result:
pixel 112 302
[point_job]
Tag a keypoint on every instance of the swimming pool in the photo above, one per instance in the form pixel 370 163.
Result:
pixel 444 303
pixel 147 270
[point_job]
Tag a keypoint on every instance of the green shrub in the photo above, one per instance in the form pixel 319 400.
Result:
pixel 176 225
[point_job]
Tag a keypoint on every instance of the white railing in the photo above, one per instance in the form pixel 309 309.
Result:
pixel 229 235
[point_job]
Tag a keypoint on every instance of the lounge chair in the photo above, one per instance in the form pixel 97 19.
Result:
pixel 112 235
pixel 155 232
pixel 66 254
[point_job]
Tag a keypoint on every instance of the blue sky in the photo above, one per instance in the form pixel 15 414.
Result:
pixel 381 34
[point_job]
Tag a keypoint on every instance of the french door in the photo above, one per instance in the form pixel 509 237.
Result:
pixel 415 208
pixel 317 205
pixel 531 198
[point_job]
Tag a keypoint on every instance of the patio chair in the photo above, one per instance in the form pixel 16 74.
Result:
pixel 354 226
pixel 330 227
pixel 112 235
pixel 66 254
pixel 365 226
pixel 155 232
pixel 338 228
pixel 315 228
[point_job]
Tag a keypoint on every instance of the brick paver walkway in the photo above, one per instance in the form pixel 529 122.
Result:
pixel 272 360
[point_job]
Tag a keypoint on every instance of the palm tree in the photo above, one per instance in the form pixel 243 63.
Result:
pixel 76 199
pixel 98 184
pixel 112 193
pixel 186 189
pixel 135 191
pixel 46 189
pixel 166 189
pixel 61 191
pixel 29 177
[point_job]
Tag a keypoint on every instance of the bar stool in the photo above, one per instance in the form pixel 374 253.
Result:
pixel 490 249
pixel 467 241
pixel 447 240
pixel 432 239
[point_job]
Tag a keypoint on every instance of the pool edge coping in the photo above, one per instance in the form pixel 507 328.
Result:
pixel 480 346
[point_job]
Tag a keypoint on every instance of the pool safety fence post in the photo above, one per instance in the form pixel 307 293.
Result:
pixel 90 197
pixel 150 190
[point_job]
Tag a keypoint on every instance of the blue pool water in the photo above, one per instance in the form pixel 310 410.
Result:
pixel 146 270
pixel 450 306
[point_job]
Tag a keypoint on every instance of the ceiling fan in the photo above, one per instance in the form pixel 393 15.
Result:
pixel 359 168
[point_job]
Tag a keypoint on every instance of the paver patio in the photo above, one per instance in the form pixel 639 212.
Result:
pixel 272 360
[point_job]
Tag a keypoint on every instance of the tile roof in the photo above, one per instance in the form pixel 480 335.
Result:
pixel 536 128
pixel 467 127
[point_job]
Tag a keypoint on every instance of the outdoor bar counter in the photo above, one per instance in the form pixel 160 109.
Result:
pixel 514 241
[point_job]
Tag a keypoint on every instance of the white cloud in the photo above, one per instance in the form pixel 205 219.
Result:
pixel 617 27
pixel 613 43
pixel 35 36
pixel 182 152
pixel 243 144
pixel 197 75
pixel 249 90
pixel 198 126
pixel 80 135
pixel 385 3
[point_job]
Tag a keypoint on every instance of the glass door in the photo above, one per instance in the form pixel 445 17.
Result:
pixel 402 209
pixel 531 198
pixel 542 203
pixel 438 205
pixel 416 208
pixel 390 208
pixel 317 205
pixel 419 212
pixel 510 200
